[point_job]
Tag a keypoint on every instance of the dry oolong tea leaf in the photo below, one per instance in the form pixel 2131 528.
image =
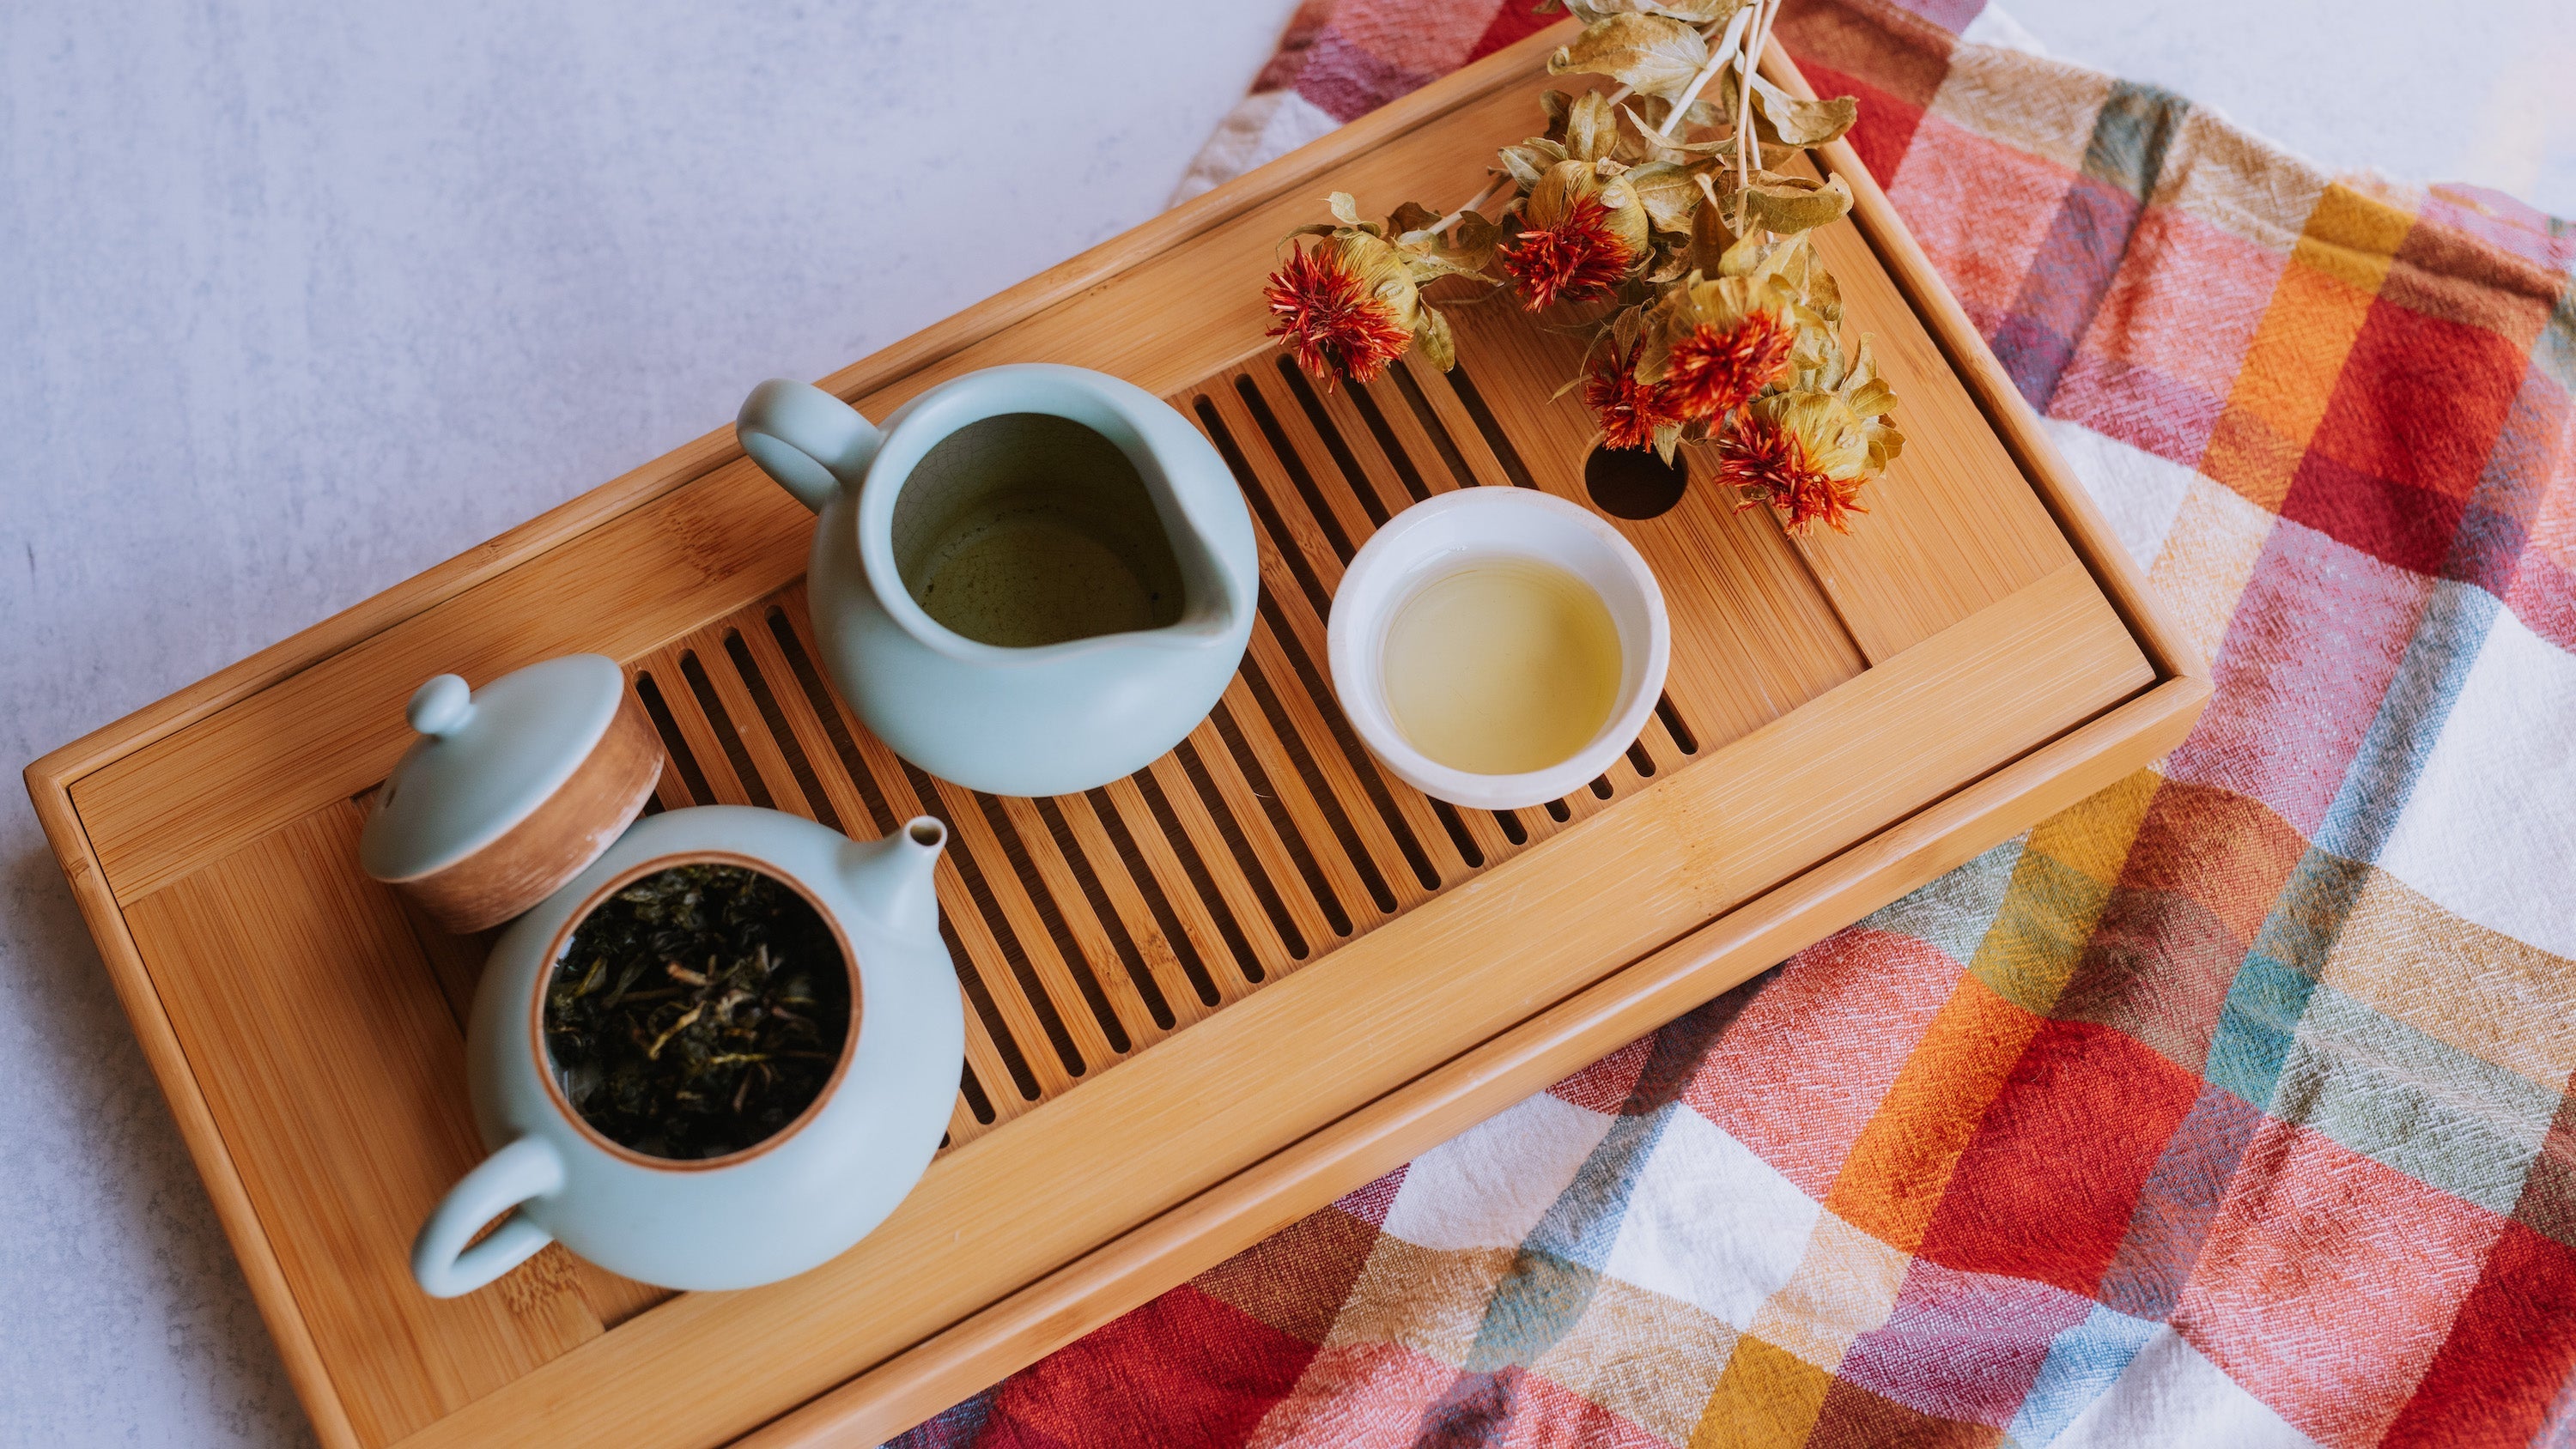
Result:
pixel 697 1011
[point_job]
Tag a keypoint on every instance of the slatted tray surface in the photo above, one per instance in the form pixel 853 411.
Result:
pixel 1094 925
pixel 1202 999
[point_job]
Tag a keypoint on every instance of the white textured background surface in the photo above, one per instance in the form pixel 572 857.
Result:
pixel 299 299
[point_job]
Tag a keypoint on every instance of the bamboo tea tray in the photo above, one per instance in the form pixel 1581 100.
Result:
pixel 1202 1001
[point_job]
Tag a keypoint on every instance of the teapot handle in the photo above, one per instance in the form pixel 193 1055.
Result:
pixel 809 442
pixel 440 1259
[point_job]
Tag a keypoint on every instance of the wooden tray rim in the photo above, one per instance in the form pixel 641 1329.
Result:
pixel 1450 1093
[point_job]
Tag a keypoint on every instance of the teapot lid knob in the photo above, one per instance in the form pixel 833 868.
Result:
pixel 510 790
pixel 441 706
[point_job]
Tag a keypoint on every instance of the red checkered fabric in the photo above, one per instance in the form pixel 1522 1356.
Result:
pixel 2231 1106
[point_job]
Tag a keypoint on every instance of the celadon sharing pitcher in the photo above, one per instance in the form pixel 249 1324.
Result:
pixel 1030 580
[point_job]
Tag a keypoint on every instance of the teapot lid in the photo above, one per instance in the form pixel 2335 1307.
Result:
pixel 511 789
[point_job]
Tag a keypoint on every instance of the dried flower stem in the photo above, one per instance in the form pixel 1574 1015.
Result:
pixel 1717 59
pixel 1450 222
pixel 1748 145
pixel 1726 51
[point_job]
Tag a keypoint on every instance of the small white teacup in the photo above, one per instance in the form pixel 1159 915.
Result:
pixel 1461 530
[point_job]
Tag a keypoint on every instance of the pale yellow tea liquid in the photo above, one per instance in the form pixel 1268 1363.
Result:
pixel 1501 667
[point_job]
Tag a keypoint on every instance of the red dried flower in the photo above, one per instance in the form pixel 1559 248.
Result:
pixel 1330 320
pixel 1713 371
pixel 1629 410
pixel 1575 258
pixel 1763 453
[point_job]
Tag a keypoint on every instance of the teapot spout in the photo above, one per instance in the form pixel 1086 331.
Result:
pixel 894 877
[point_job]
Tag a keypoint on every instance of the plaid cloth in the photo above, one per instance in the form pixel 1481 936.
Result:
pixel 2231 1106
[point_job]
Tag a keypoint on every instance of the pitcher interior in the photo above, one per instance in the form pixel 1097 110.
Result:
pixel 1026 529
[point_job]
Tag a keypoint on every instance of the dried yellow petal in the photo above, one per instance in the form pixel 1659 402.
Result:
pixel 1649 53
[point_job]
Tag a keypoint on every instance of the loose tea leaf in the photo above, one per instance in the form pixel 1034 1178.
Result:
pixel 697 1012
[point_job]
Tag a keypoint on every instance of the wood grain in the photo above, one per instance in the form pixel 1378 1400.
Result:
pixel 1954 495
pixel 225 1185
pixel 336 728
pixel 335 1073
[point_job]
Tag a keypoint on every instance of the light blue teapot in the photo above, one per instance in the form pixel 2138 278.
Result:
pixel 513 805
pixel 786 1204
pixel 1032 580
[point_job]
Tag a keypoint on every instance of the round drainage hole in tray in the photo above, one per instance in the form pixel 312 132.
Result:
pixel 1633 482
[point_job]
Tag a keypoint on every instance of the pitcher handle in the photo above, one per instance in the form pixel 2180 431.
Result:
pixel 809 442
pixel 446 1267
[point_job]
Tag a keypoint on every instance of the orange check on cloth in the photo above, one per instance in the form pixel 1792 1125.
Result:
pixel 2230 1107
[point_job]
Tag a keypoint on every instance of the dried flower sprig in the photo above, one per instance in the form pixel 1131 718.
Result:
pixel 1352 302
pixel 1580 236
pixel 1664 198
